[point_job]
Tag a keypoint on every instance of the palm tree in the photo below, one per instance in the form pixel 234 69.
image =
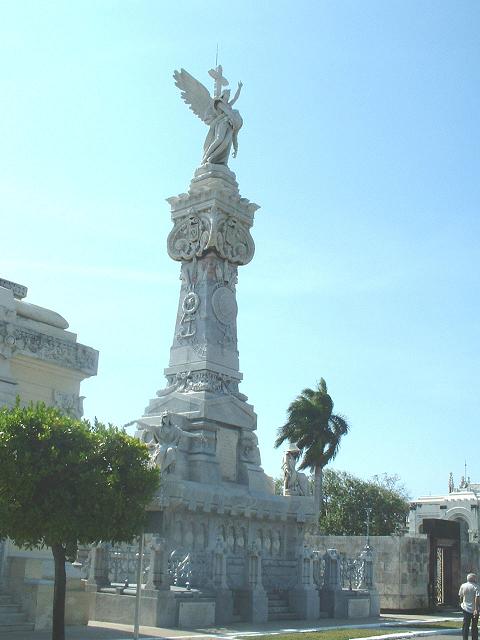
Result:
pixel 316 431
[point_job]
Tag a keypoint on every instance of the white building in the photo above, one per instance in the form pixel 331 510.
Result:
pixel 460 505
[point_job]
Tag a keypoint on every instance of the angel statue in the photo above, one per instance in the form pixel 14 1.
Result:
pixel 217 112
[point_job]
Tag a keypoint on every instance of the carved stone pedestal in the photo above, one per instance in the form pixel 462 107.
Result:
pixel 253 604
pixel 223 606
pixel 305 602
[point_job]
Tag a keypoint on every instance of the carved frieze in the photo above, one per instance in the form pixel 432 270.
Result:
pixel 49 348
pixel 205 380
pixel 19 291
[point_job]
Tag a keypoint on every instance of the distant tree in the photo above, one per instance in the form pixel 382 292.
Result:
pixel 65 482
pixel 316 431
pixel 346 499
pixel 278 486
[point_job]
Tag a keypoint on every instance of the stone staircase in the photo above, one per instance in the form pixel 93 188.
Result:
pixel 11 616
pixel 278 607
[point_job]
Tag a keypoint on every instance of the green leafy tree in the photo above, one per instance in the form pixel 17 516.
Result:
pixel 347 498
pixel 316 431
pixel 65 482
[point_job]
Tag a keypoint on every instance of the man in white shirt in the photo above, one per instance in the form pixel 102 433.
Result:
pixel 469 593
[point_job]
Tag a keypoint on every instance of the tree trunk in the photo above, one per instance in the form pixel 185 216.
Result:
pixel 58 621
pixel 318 491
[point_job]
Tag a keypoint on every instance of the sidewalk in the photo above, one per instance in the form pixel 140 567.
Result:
pixel 111 631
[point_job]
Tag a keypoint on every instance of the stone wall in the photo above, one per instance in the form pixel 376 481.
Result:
pixel 400 566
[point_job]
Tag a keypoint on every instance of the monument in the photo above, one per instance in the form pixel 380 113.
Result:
pixel 220 529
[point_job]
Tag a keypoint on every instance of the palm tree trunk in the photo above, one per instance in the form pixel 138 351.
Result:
pixel 58 622
pixel 318 490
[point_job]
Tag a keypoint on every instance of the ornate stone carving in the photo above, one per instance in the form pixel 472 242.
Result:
pixel 189 237
pixel 201 381
pixel 19 291
pixel 45 347
pixel 233 241
pixel 190 304
pixel 69 403
pixel 196 233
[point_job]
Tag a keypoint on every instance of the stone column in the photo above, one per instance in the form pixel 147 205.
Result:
pixel 367 579
pixel 331 592
pixel 98 575
pixel 158 578
pixel 253 600
pixel 305 598
pixel 223 595
pixel 159 607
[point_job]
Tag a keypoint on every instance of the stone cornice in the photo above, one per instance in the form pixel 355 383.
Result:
pixel 63 353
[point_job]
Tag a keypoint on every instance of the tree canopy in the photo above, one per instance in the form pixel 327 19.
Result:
pixel 65 481
pixel 316 431
pixel 346 499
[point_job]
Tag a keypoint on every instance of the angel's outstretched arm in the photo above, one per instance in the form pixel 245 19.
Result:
pixel 237 93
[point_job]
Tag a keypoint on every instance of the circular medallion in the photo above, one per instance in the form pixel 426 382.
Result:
pixel 190 302
pixel 224 305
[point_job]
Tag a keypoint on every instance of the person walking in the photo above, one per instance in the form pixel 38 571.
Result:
pixel 470 594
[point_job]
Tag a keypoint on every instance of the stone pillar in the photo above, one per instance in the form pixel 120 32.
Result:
pixel 305 598
pixel 158 578
pixel 367 579
pixel 253 600
pixel 223 595
pixel 98 575
pixel 331 591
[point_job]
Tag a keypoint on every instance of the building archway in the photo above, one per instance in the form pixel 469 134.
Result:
pixel 444 559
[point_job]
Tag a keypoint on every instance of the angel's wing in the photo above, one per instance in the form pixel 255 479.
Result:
pixel 195 95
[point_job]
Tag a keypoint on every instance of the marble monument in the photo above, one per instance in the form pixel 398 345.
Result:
pixel 220 528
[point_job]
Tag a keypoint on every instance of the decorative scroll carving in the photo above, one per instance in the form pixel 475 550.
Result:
pixel 189 237
pixel 61 352
pixel 234 242
pixel 196 233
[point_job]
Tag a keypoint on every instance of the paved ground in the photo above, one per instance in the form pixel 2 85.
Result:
pixel 110 631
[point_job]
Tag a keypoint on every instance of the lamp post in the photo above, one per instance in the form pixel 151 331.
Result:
pixel 367 522
pixel 136 622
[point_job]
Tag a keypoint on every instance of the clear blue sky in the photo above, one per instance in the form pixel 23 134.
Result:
pixel 360 143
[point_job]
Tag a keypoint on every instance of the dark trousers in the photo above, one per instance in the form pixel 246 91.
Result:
pixel 467 619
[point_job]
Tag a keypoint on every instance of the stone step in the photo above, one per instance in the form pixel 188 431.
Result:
pixel 283 616
pixel 26 626
pixel 12 618
pixel 9 608
pixel 5 598
pixel 275 610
